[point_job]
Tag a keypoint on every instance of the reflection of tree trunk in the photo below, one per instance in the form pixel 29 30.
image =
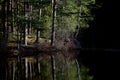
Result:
pixel 13 72
pixel 39 67
pixel 53 68
pixel 78 69
pixel 6 72
pixel 2 68
pixel 62 70
pixel 30 65
pixel 67 69
pixel 26 68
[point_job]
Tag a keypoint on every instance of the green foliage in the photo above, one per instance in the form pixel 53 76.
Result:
pixel 84 9
pixel 84 73
pixel 71 13
pixel 40 3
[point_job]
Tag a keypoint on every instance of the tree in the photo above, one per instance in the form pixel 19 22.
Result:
pixel 71 14
pixel 53 22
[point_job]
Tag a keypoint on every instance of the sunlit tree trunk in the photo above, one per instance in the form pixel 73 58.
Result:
pixel 13 7
pixel 26 10
pixel 30 19
pixel 13 28
pixel 25 34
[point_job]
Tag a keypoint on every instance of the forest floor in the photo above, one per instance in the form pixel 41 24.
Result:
pixel 32 48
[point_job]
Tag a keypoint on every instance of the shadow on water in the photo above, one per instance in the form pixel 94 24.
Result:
pixel 103 64
pixel 73 65
pixel 58 66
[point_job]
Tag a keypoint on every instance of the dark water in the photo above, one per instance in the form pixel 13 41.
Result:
pixel 104 65
pixel 93 65
pixel 41 67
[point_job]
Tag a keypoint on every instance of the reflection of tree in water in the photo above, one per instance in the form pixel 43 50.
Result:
pixel 40 68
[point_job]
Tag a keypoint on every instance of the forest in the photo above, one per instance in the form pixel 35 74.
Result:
pixel 40 39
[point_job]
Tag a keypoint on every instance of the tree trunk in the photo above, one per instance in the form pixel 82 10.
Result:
pixel 30 18
pixel 53 22
pixel 4 19
pixel 25 35
pixel 28 31
pixel 26 24
pixel 30 24
pixel 38 29
pixel 11 15
pixel 19 43
pixel 37 36
pixel 12 11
